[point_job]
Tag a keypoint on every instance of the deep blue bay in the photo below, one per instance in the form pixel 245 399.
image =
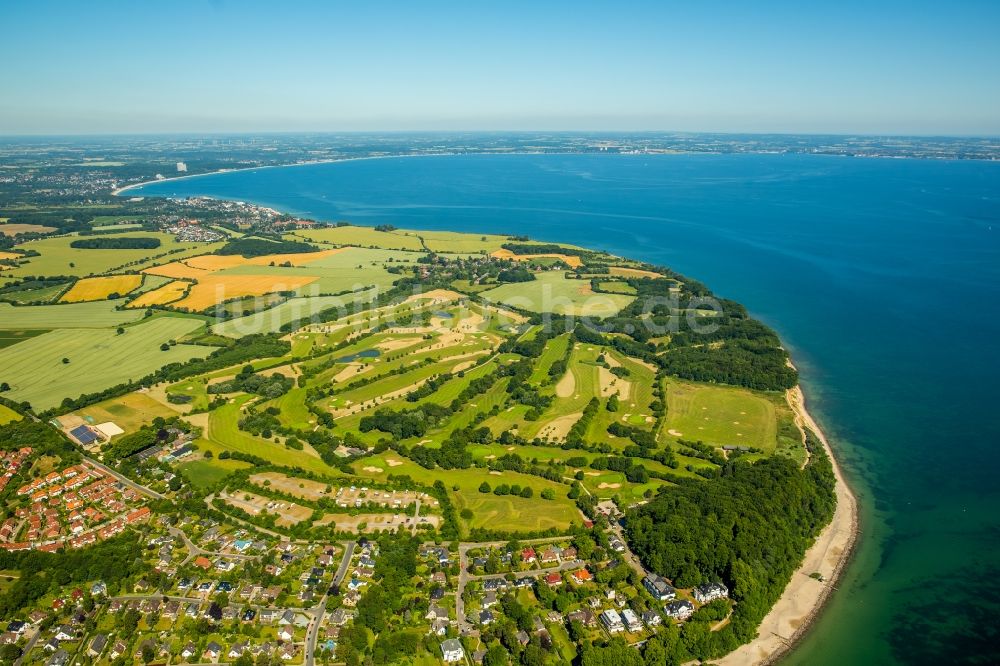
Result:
pixel 882 276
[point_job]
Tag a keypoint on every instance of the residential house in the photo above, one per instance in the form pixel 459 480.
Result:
pixel 584 616
pixel 659 588
pixel 118 649
pixel 612 622
pixel 212 651
pixel 452 651
pixel 681 609
pixel 631 620
pixel 97 645
pixel 60 658
pixel 710 592
pixel 651 619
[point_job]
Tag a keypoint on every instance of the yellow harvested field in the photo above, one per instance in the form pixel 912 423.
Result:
pixel 9 229
pixel 633 272
pixel 211 289
pixel 99 288
pixel 195 267
pixel 168 293
pixel 9 255
pixel 177 270
pixel 567 259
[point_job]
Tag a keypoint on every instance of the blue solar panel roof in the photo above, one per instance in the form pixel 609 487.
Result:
pixel 83 434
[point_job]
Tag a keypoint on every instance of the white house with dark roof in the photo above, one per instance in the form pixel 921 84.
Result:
pixel 710 592
pixel 452 651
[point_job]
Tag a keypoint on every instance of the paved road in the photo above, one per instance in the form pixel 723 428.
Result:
pixel 194 550
pixel 464 576
pixel 30 644
pixel 628 555
pixel 319 610
pixel 148 492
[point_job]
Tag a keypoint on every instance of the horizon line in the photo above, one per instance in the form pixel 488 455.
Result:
pixel 209 133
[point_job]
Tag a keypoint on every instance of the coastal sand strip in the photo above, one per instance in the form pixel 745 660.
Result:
pixel 803 598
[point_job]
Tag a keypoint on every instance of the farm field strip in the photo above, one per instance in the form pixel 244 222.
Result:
pixel 100 288
pixel 98 314
pixel 96 359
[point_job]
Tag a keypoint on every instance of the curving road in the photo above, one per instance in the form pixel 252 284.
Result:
pixel 319 610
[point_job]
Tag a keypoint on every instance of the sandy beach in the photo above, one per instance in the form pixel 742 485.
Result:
pixel 803 599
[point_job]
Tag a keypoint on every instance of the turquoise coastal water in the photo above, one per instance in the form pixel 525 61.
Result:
pixel 883 277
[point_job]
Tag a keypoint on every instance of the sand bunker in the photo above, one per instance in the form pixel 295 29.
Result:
pixel 612 486
pixel 559 428
pixel 373 469
pixel 566 385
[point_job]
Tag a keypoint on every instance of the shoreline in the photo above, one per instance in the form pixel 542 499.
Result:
pixel 804 598
pixel 117 192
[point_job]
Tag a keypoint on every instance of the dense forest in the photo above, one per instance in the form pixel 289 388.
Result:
pixel 748 528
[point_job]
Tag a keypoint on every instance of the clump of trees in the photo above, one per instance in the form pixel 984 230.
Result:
pixel 116 243
pixel 259 247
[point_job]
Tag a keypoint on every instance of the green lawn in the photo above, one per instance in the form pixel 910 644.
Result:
pixel 552 292
pixel 489 511
pixel 98 359
pixel 224 434
pixel 719 415
pixel 205 473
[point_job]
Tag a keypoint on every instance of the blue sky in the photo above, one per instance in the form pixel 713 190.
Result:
pixel 699 65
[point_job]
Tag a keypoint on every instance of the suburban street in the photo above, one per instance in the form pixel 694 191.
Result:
pixel 464 576
pixel 319 610
pixel 128 482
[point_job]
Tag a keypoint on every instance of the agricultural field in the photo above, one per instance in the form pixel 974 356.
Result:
pixel 13 228
pixel 7 415
pixel 425 373
pixel 71 361
pixel 98 314
pixel 570 260
pixel 58 258
pixel 271 319
pixel 162 295
pixel 551 291
pixel 100 288
pixel 450 241
pixel 215 288
pixel 362 237
pixel 8 337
